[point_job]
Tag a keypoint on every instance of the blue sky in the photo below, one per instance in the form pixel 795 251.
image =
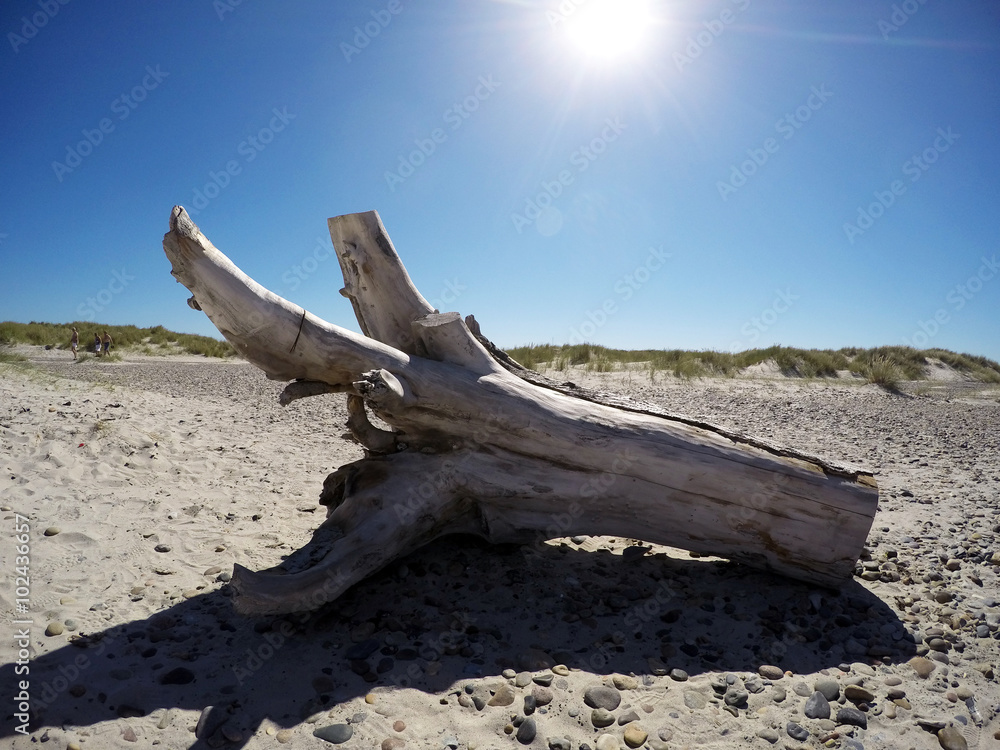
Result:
pixel 743 173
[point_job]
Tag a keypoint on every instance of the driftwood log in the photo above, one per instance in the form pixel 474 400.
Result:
pixel 478 444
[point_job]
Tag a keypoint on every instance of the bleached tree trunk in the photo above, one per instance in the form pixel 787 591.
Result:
pixel 478 444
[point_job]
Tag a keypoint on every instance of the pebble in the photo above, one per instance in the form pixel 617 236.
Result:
pixel 542 679
pixel 829 688
pixel 393 743
pixel 542 695
pixel 601 717
pixel 561 669
pixel 769 672
pixel 398 726
pixel 602 696
pixel 797 732
pixel 560 743
pixel 335 733
pixel 952 739
pixel 695 700
pixel 627 717
pixel 624 682
pixel 853 717
pixel 527 731
pixel 284 736
pixel 178 676
pixel 608 742
pixel 768 734
pixel 778 694
pixel 817 706
pixel 922 666
pixel 678 675
pixel 522 679
pixel 52 531
pixel 858 694
pixel 161 548
pixel 54 628
pixel 635 735
pixel 503 696
pixel 736 696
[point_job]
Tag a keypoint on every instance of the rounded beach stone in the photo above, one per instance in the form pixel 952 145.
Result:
pixel 54 628
pixel 951 739
pixel 335 733
pixel 527 731
pixel 602 696
pixel 852 716
pixel 635 735
pixel 858 694
pixel 52 531
pixel 608 742
pixel 817 707
pixel 923 667
pixel 601 717
pixel 769 672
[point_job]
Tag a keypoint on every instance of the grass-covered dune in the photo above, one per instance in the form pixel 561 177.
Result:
pixel 154 341
pixel 885 365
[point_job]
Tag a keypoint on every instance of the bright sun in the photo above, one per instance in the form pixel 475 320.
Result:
pixel 608 29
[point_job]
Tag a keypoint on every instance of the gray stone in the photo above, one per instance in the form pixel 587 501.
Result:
pixel 678 675
pixel 523 679
pixel 602 696
pixel 829 688
pixel 768 734
pixel 560 743
pixel 628 716
pixel 695 700
pixel 853 717
pixel 754 684
pixel 797 732
pixel 601 717
pixel 778 694
pixel 542 695
pixel 736 696
pixel 527 731
pixel 802 690
pixel 817 707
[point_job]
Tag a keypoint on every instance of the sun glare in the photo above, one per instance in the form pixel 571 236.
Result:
pixel 608 29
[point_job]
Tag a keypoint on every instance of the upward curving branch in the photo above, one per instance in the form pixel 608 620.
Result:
pixel 479 444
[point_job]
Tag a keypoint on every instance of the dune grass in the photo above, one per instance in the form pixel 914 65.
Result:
pixel 885 365
pixel 155 340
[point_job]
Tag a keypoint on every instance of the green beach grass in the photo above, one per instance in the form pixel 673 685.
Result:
pixel 156 340
pixel 884 365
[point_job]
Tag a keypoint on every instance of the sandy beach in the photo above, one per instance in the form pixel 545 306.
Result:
pixel 144 480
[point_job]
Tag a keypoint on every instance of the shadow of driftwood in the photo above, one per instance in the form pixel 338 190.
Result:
pixel 456 610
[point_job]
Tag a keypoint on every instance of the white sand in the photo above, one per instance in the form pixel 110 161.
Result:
pixel 196 458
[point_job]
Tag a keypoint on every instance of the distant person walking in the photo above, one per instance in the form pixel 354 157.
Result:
pixel 107 342
pixel 74 341
pixel 97 344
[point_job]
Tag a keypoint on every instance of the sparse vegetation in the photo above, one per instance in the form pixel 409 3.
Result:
pixel 155 340
pixel 882 365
